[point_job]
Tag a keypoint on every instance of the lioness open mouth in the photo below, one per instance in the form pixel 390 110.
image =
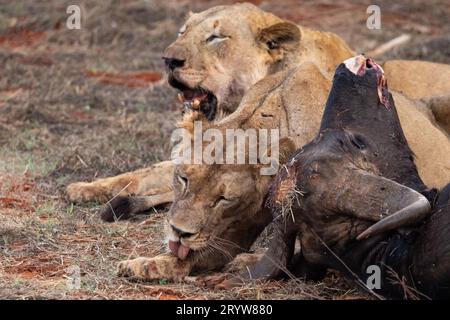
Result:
pixel 199 99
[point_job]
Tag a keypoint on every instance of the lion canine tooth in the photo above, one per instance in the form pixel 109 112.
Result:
pixel 196 104
pixel 180 97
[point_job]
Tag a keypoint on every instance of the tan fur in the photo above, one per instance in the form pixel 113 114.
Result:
pixel 418 79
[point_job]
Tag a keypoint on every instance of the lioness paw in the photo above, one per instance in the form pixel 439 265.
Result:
pixel 120 208
pixel 136 268
pixel 164 266
pixel 83 192
pixel 242 262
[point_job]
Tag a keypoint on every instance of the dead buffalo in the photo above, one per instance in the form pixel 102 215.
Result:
pixel 354 199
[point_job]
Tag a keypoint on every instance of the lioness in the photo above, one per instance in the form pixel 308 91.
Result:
pixel 224 51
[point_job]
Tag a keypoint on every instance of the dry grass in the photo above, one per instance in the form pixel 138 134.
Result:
pixel 75 105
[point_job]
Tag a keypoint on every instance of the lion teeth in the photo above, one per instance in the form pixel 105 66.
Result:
pixel 189 104
pixel 195 103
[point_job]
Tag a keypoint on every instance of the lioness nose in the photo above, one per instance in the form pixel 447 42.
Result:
pixel 181 233
pixel 173 63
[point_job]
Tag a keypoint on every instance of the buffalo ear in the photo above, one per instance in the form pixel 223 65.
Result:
pixel 283 36
pixel 371 197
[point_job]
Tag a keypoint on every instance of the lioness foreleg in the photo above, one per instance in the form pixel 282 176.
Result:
pixel 124 207
pixel 141 182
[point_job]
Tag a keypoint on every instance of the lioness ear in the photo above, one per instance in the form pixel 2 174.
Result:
pixel 283 36
pixel 189 14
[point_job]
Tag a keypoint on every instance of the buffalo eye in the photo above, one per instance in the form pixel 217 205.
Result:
pixel 358 143
pixel 184 181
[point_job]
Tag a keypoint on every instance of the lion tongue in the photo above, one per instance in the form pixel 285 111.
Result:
pixel 173 246
pixel 183 251
pixel 178 249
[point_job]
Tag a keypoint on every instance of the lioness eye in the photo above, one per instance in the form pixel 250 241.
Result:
pixel 219 200
pixel 183 180
pixel 215 38
pixel 182 31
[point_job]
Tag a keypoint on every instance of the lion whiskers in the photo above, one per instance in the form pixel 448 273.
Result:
pixel 221 249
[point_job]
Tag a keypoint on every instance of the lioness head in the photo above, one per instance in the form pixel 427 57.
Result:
pixel 213 207
pixel 218 208
pixel 221 52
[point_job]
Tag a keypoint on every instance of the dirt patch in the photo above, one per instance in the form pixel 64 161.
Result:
pixel 133 80
pixel 17 193
pixel 20 38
